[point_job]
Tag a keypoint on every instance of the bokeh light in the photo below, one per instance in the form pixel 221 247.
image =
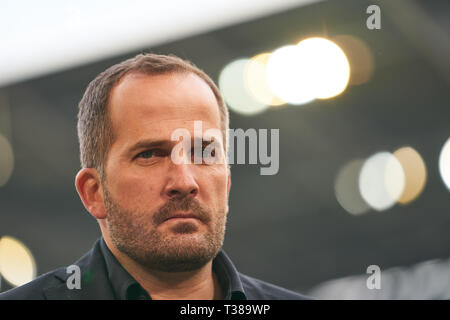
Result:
pixel 381 180
pixel 255 77
pixel 328 67
pixel 6 160
pixel 17 264
pixel 346 188
pixel 360 57
pixel 314 68
pixel 288 75
pixel 444 163
pixel 415 173
pixel 232 86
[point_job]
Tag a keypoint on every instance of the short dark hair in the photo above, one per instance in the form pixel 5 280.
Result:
pixel 95 132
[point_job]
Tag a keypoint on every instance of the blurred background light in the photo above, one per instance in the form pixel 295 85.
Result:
pixel 381 180
pixel 288 75
pixel 415 173
pixel 256 83
pixel 444 163
pixel 346 188
pixel 232 86
pixel 17 265
pixel 6 160
pixel 314 68
pixel 359 56
pixel 328 70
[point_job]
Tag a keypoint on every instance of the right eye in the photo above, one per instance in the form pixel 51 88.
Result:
pixel 147 154
pixel 151 153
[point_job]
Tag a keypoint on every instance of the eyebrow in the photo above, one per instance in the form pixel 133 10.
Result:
pixel 147 143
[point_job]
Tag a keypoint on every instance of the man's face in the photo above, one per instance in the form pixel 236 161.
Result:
pixel 144 189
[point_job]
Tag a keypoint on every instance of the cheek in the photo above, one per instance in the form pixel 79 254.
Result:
pixel 215 184
pixel 134 191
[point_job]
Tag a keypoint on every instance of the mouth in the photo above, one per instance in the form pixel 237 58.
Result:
pixel 182 216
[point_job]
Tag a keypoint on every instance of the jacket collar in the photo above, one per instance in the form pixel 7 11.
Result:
pixel 94 283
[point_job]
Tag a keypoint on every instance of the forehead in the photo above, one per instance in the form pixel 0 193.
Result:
pixel 155 104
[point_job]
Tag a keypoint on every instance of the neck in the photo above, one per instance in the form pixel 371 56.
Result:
pixel 200 284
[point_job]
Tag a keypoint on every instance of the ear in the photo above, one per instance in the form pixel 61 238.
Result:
pixel 90 191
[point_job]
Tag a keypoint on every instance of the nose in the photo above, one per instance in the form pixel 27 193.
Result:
pixel 181 181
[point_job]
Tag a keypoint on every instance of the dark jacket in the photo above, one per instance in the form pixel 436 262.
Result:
pixel 96 285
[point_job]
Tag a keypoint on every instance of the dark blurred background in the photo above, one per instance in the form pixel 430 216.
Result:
pixel 289 228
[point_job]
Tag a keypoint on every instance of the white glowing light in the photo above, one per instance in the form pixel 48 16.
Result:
pixel 17 264
pixel 232 86
pixel 328 67
pixel 381 180
pixel 444 164
pixel 288 75
pixel 314 68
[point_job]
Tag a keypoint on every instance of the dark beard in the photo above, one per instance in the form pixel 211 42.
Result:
pixel 135 234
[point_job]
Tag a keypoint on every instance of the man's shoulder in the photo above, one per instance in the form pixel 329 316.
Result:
pixel 34 290
pixel 53 285
pixel 256 289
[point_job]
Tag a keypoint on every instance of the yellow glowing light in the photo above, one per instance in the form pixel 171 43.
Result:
pixel 415 173
pixel 17 264
pixel 288 75
pixel 381 181
pixel 232 86
pixel 328 67
pixel 444 164
pixel 346 188
pixel 256 83
pixel 6 160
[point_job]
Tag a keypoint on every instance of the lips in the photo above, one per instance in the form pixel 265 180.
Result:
pixel 182 216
